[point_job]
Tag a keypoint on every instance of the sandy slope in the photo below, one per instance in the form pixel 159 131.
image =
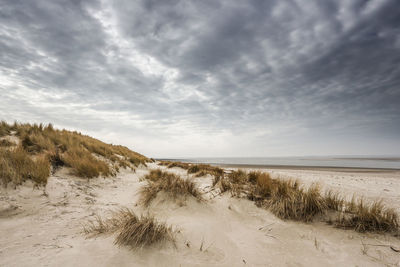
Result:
pixel 44 227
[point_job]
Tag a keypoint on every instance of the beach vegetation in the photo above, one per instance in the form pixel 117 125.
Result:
pixel 288 199
pixel 169 183
pixel 16 166
pixel 131 230
pixel 46 146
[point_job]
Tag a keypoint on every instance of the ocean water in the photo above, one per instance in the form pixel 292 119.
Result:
pixel 332 161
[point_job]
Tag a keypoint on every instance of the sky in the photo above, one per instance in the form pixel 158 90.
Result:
pixel 208 78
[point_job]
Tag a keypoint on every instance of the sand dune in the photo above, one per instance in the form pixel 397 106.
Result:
pixel 43 227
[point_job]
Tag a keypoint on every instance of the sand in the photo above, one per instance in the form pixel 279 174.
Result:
pixel 43 226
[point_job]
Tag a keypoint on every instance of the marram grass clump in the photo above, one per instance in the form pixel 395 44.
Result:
pixel 287 199
pixel 169 183
pixel 131 231
pixel 372 217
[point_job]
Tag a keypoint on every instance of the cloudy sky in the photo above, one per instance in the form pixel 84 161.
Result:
pixel 208 78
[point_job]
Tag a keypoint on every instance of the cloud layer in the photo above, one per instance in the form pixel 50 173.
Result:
pixel 208 78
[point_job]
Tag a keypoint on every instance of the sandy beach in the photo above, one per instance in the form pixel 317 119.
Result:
pixel 44 226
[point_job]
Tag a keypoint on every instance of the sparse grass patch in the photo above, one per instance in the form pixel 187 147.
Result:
pixel 132 231
pixel 173 185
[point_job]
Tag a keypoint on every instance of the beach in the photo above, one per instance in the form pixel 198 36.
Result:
pixel 44 226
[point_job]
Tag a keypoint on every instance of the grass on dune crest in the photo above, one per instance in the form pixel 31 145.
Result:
pixel 131 230
pixel 287 199
pixel 173 185
pixel 203 169
pixel 198 169
pixel 42 144
pixel 172 164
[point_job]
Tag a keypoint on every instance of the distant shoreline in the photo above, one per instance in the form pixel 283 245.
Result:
pixel 293 167
pixel 309 168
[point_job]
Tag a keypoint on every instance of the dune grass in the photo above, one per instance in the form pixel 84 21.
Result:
pixel 87 157
pixel 4 128
pixel 369 217
pixel 198 170
pixel 84 164
pixel 172 164
pixel 175 186
pixel 6 143
pixel 204 169
pixel 17 166
pixel 287 199
pixel 131 231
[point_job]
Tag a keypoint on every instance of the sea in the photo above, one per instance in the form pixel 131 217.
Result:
pixel 378 162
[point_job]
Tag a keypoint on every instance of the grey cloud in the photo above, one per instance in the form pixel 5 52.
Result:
pixel 316 68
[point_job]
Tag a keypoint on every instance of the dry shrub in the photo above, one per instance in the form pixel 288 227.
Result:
pixel 169 183
pixel 131 230
pixel 374 217
pixel 17 166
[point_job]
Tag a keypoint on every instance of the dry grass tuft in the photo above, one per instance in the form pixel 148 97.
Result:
pixel 288 201
pixel 204 169
pixel 334 201
pixel 374 217
pixel 198 169
pixel 131 230
pixel 173 185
